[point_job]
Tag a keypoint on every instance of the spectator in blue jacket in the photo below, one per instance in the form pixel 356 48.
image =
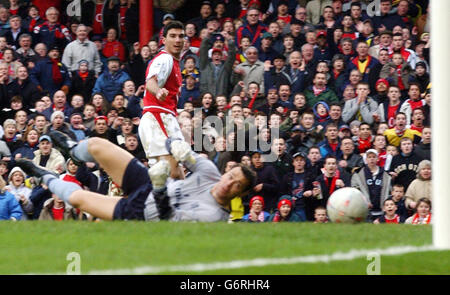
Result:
pixel 110 82
pixel 9 207
pixel 50 74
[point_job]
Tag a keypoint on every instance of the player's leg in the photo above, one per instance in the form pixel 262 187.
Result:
pixel 95 204
pixel 154 129
pixel 92 203
pixel 113 159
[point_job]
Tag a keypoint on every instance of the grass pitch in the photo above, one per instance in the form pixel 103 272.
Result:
pixel 42 247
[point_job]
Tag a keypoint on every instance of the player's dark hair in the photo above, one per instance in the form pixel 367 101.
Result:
pixel 249 174
pixel 172 25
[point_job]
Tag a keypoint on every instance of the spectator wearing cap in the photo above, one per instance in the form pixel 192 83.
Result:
pixel 252 28
pixel 422 76
pixel 385 38
pixel 189 92
pixel 267 51
pixel 77 127
pixel 374 183
pixel 381 90
pixel 215 72
pixel 275 74
pixel 322 51
pixel 267 184
pixel 367 32
pixel 257 213
pixel 217 41
pixel 296 29
pixel 102 130
pixel 285 211
pixel 293 184
pixel 57 123
pixel 16 186
pixel 110 82
pixel 51 32
pixel 50 74
pixel 206 10
pixel 387 20
pixel 48 157
pixel 83 80
pixel 82 49
pixel 59 104
pixel 314 9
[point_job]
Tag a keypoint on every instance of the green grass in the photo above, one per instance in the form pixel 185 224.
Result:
pixel 42 247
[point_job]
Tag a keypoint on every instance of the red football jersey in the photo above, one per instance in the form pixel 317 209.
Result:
pixel 167 70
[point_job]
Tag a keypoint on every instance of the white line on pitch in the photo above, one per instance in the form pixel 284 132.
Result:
pixel 259 262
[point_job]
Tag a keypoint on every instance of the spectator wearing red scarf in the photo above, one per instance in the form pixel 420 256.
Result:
pixel 113 47
pixel 83 81
pixel 365 138
pixel 320 189
pixel 50 74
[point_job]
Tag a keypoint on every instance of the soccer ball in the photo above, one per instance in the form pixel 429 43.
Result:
pixel 347 205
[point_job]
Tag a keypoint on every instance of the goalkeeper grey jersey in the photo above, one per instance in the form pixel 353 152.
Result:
pixel 191 198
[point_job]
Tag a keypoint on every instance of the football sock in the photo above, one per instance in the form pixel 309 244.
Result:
pixel 63 189
pixel 81 152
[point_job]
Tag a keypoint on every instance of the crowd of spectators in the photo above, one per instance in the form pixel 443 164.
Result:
pixel 314 95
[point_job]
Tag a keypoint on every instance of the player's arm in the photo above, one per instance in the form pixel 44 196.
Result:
pixel 153 87
pixel 158 74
